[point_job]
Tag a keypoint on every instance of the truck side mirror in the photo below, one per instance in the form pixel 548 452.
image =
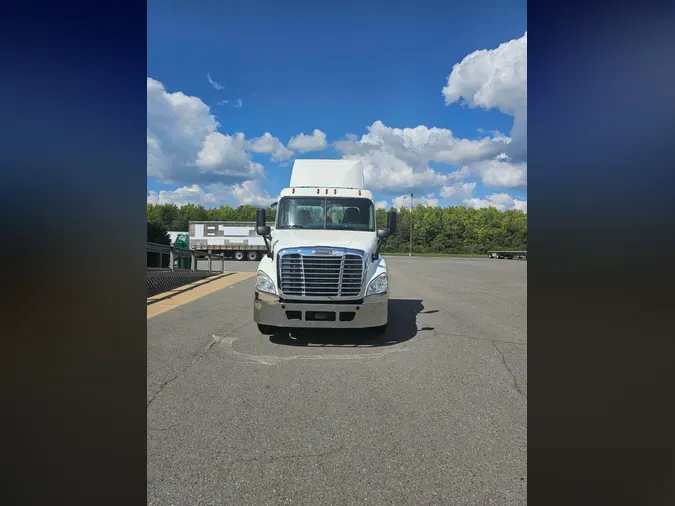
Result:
pixel 383 233
pixel 391 222
pixel 260 225
pixel 260 218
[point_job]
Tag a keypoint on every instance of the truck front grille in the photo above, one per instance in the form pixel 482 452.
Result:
pixel 321 276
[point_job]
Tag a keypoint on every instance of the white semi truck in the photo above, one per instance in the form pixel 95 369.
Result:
pixel 322 267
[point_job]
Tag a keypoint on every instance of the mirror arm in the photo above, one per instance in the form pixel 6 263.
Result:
pixel 268 246
pixel 376 253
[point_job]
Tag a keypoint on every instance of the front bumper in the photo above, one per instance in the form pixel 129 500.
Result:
pixel 371 312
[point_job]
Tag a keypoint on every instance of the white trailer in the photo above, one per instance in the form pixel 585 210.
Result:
pixel 234 239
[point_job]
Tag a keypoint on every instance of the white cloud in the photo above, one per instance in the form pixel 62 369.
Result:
pixel 184 145
pixel 384 172
pixel 500 201
pixel 306 143
pixel 218 149
pixel 158 163
pixel 492 78
pixel 216 85
pixel 398 159
pixel 458 191
pixel 181 196
pixel 177 127
pixel 464 150
pixel 520 205
pixel 381 204
pixel 223 157
pixel 404 201
pixel 495 78
pixel 271 145
pixel 238 103
pixel 500 172
pixel 246 193
pixel 417 146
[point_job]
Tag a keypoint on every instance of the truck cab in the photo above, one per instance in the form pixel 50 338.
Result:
pixel 322 267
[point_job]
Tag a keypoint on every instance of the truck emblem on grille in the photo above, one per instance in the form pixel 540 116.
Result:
pixel 324 251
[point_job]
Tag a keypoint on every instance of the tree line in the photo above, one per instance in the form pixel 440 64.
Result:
pixel 452 229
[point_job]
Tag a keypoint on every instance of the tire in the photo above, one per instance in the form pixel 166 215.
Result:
pixel 239 255
pixel 252 256
pixel 266 329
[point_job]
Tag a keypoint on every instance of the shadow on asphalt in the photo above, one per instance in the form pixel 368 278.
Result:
pixel 402 327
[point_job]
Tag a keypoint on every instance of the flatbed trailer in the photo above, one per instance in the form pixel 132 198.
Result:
pixel 510 254
pixel 233 239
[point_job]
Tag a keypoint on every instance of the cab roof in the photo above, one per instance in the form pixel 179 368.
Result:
pixel 327 174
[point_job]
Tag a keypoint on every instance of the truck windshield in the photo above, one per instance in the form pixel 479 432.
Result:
pixel 326 213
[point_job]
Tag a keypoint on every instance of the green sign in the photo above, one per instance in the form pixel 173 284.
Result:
pixel 182 241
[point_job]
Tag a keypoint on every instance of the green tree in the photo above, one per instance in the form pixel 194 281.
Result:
pixel 157 233
pixel 454 229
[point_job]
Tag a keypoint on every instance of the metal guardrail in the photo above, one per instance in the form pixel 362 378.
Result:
pixel 168 273
pixel 176 254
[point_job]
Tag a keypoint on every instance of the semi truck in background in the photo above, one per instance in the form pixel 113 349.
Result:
pixel 234 239
pixel 322 266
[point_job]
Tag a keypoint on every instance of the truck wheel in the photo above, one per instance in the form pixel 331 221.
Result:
pixel 252 256
pixel 267 330
pixel 239 255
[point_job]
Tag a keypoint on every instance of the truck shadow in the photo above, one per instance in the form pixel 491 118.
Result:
pixel 402 327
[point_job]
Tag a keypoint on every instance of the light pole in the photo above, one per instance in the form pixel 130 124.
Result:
pixel 411 208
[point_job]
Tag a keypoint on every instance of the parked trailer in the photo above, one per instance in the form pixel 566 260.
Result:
pixel 234 239
pixel 507 254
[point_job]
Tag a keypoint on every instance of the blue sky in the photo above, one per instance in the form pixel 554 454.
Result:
pixel 367 82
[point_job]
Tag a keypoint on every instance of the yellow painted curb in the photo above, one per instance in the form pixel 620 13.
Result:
pixel 165 301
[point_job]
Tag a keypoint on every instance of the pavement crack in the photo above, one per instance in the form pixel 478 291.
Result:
pixel 184 371
pixel 161 387
pixel 493 341
pixel 515 382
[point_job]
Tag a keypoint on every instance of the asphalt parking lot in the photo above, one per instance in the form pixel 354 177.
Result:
pixel 436 413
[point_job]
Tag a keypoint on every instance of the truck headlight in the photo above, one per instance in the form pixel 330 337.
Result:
pixel 263 283
pixel 378 285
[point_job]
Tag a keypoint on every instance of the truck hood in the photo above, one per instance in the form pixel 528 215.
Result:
pixel 297 238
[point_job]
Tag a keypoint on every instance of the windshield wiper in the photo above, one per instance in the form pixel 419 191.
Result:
pixel 348 227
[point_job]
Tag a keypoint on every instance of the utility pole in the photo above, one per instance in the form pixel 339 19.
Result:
pixel 411 229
